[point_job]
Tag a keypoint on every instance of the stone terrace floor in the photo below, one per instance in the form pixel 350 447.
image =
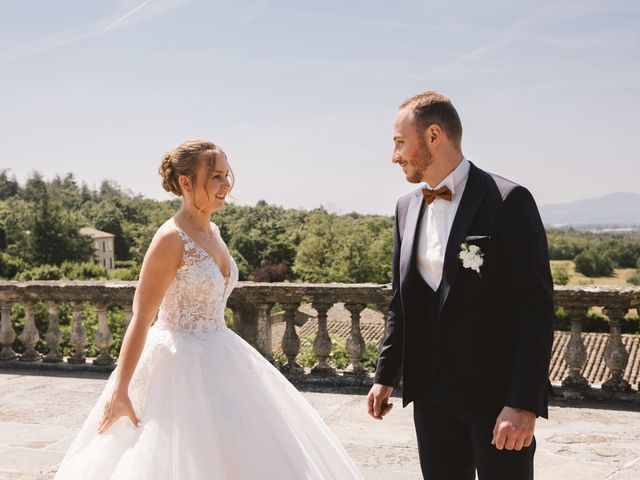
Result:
pixel 39 416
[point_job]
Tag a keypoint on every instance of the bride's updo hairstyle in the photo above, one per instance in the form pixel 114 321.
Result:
pixel 184 160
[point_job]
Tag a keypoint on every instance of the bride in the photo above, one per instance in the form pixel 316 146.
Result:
pixel 189 399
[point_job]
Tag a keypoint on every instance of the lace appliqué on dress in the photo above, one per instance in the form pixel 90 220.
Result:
pixel 196 299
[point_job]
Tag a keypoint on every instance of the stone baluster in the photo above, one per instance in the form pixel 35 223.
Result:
pixel 575 354
pixel 7 333
pixel 355 341
pixel 263 341
pixel 78 334
pixel 616 356
pixel 290 340
pixel 322 342
pixel 30 335
pixel 104 338
pixel 53 335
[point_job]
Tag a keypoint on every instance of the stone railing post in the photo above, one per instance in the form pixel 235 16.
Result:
pixel 290 340
pixel 575 354
pixel 355 341
pixel 53 336
pixel 78 334
pixel 30 335
pixel 104 338
pixel 7 333
pixel 322 342
pixel 245 321
pixel 263 340
pixel 616 356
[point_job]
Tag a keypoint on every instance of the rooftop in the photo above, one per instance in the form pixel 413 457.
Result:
pixel 95 233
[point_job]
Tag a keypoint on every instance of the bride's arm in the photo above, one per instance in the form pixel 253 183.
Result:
pixel 159 268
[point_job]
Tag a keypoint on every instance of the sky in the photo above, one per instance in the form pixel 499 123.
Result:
pixel 302 95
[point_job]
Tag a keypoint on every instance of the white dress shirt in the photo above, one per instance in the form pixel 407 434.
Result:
pixel 436 224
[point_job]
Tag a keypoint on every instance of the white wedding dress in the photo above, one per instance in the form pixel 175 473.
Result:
pixel 210 405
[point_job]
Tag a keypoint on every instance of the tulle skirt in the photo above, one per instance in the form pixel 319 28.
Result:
pixel 211 407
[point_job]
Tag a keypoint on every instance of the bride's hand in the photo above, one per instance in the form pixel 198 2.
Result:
pixel 118 406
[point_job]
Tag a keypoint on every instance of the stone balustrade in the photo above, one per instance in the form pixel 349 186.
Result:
pixel 252 304
pixel 616 303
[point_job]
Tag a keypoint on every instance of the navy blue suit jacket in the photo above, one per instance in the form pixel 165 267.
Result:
pixel 493 331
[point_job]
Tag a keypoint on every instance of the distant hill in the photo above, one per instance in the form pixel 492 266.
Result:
pixel 612 210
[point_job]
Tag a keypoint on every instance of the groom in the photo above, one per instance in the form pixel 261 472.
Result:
pixel 469 326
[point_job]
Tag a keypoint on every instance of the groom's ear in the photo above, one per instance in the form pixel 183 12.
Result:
pixel 433 134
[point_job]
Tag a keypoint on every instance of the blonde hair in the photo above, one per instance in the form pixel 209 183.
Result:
pixel 184 160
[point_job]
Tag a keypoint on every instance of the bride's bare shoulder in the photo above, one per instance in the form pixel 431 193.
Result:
pixel 166 243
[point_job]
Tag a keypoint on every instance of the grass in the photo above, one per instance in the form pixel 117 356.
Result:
pixel 619 277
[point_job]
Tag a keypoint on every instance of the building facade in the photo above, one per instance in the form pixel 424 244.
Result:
pixel 103 244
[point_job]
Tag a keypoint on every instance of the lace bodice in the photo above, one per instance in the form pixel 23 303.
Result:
pixel 196 299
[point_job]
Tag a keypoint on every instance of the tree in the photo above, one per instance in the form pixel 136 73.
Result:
pixel 109 189
pixel 54 235
pixel 85 194
pixel 594 264
pixel 15 217
pixel 3 238
pixel 65 190
pixel 635 278
pixel 263 235
pixel 108 218
pixel 10 266
pixel 624 252
pixel 8 186
pixel 35 188
pixel 314 252
pixel 560 274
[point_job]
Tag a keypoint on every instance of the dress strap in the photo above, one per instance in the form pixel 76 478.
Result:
pixel 188 242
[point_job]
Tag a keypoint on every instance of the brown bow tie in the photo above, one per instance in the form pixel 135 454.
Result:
pixel 430 195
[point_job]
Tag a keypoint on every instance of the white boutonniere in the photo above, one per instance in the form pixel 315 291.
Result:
pixel 471 256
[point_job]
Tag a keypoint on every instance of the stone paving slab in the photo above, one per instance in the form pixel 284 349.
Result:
pixel 39 416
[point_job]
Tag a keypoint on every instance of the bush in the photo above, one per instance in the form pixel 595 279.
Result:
pixel 126 264
pixel 564 247
pixel 272 273
pixel 83 271
pixel 42 272
pixel 560 274
pixel 130 274
pixel 10 266
pixel 594 264
pixel 624 253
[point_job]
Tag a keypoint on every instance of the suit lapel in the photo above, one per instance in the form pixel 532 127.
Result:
pixel 408 237
pixel 474 192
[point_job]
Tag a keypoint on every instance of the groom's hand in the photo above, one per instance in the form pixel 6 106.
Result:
pixel 514 429
pixel 378 400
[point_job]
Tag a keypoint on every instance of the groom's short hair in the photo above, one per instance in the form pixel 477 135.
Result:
pixel 434 108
